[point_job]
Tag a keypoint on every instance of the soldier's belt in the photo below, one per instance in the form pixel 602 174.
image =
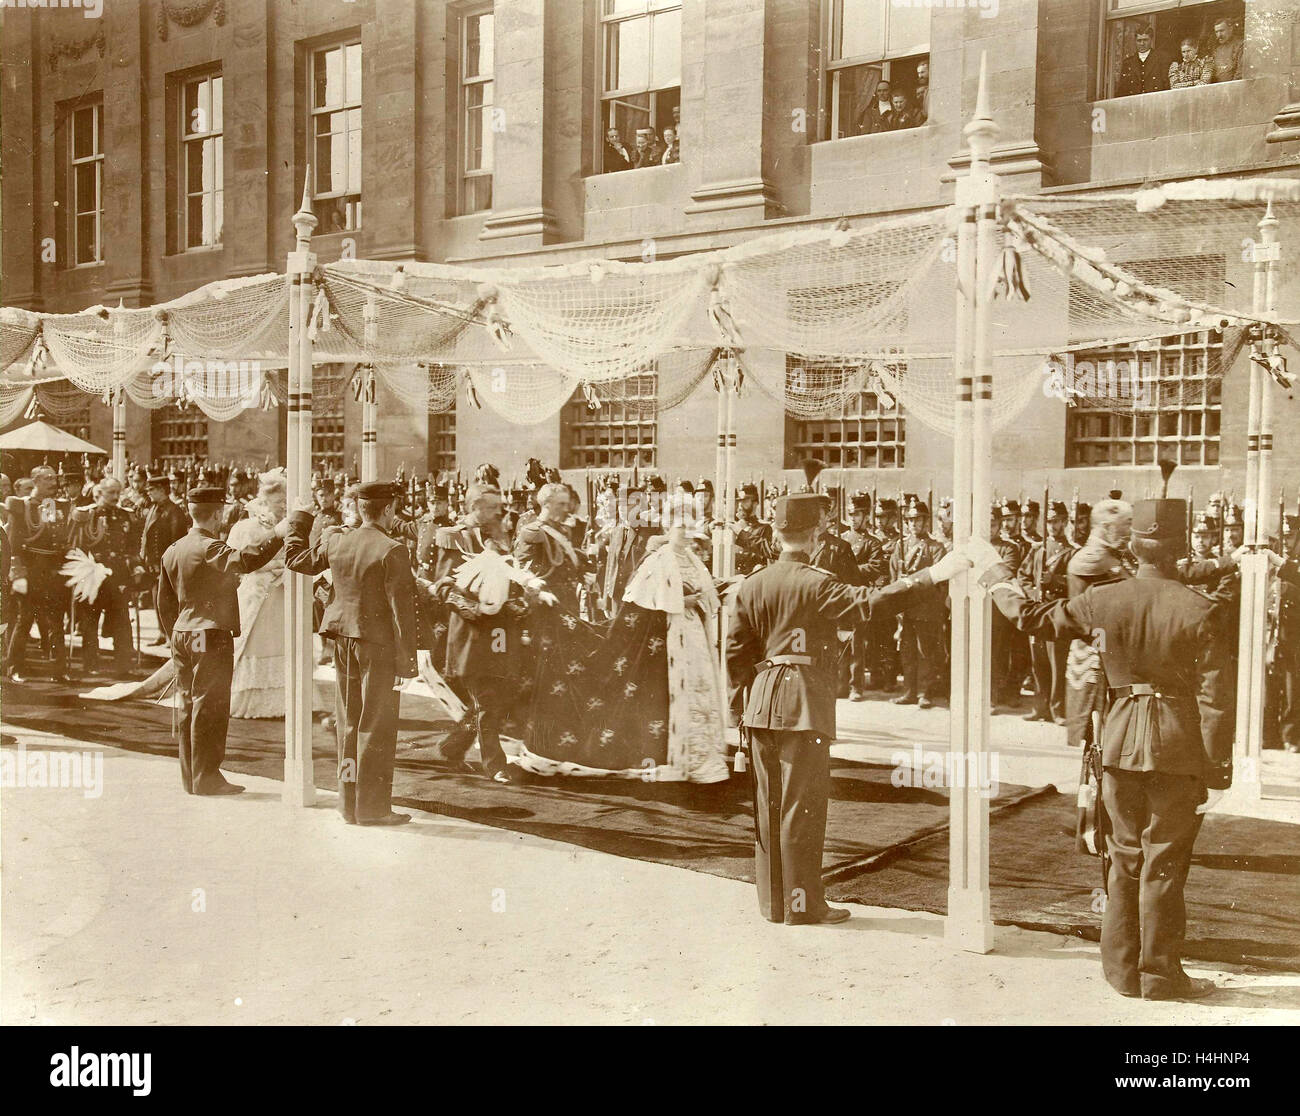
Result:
pixel 783 660
pixel 1145 689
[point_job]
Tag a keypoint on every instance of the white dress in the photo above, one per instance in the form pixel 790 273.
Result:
pixel 257 687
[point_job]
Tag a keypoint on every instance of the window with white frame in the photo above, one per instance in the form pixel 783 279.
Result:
pixel 335 136
pixel 202 162
pixel 878 66
pixel 476 66
pixel 868 433
pixel 86 184
pixel 1211 30
pixel 619 434
pixel 641 44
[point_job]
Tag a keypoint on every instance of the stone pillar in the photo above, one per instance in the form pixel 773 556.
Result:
pixel 391 137
pixel 128 248
pixel 22 228
pixel 246 117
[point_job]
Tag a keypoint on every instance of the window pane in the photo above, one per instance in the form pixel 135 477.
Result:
pixel 194 221
pixel 83 133
pixel 193 166
pixel 862 29
pixel 617 7
pixel 473 134
pixel 909 28
pixel 216 104
pixel 218 216
pixel 86 199
pixel 354 161
pixel 478 46
pixel 86 247
pixel 627 63
pixel 220 162
pixel 191 109
pixel 353 91
pixel 324 164
pixel 329 77
pixel 667 54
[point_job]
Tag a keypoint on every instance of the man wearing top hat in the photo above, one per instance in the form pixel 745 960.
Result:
pixel 920 641
pixel 164 522
pixel 781 662
pixel 372 620
pixel 39 532
pixel 198 608
pixel 1044 577
pixel 754 547
pixel 1167 738
pixel 873 570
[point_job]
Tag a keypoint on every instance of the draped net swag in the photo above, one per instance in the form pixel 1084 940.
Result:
pixel 813 316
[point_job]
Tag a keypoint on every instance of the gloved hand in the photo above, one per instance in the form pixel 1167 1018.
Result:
pixel 19 585
pixel 950 564
pixel 983 555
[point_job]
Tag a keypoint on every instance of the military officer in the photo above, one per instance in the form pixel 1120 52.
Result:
pixel 1009 649
pixel 108 534
pixel 1081 525
pixel 1167 740
pixel 164 522
pixel 328 513
pixel 438 516
pixel 781 650
pixel 544 547
pixel 135 498
pixel 39 531
pixel 1044 577
pixel 371 619
pixel 1029 514
pixel 1284 678
pixel 885 520
pixel 199 610
pixel 873 570
pixel 921 616
pixel 753 546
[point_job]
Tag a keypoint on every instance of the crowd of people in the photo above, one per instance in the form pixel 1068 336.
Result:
pixel 648 148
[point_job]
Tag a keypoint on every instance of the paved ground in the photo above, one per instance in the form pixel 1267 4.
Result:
pixel 143 905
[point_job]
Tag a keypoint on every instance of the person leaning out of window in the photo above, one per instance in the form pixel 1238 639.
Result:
pixel 1142 71
pixel 1191 70
pixel 1225 59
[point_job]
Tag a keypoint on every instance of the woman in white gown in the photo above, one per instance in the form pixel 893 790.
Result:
pixel 257 688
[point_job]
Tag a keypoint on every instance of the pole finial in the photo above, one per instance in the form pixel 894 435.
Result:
pixel 304 221
pixel 982 130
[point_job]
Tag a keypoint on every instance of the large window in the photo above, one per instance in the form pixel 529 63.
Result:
pixel 642 63
pixel 329 385
pixel 335 137
pixel 201 162
pixel 618 434
pixel 1213 55
pixel 442 442
pixel 878 68
pixel 476 66
pixel 868 433
pixel 86 184
pixel 179 435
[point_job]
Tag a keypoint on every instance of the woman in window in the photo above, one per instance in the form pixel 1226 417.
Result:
pixel 1190 70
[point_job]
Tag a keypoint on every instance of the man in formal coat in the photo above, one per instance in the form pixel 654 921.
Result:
pixel 1143 71
pixel 873 570
pixel 544 547
pixel 108 534
pixel 920 641
pixel 165 521
pixel 1167 739
pixel 1044 577
pixel 39 532
pixel 753 538
pixel 198 608
pixel 372 620
pixel 781 650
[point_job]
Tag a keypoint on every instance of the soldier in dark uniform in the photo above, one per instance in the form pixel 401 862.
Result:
pixel 1010 651
pixel 543 547
pixel 108 535
pixel 135 498
pixel 39 530
pixel 873 571
pixel 882 627
pixel 1167 739
pixel 1029 523
pixel 198 608
pixel 754 548
pixel 922 615
pixel 1044 577
pixel 832 554
pixel 164 522
pixel 1081 527
pixel 781 648
pixel 371 618
pixel 1284 638
pixel 328 513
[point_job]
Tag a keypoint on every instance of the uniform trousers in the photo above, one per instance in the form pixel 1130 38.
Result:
pixel 365 725
pixel 920 646
pixel 1154 824
pixel 111 601
pixel 488 699
pixel 44 602
pixel 882 650
pixel 1048 656
pixel 205 662
pixel 791 785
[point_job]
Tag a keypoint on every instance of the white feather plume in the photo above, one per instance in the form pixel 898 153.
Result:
pixel 487 577
pixel 83 575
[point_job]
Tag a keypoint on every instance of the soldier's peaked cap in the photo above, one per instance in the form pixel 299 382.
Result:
pixel 801 511
pixel 1160 519
pixel 1057 510
pixel 861 502
pixel 207 494
pixel 379 490
pixel 750 490
pixel 161 480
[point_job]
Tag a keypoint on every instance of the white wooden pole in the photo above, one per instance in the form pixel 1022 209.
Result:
pixel 119 434
pixel 719 475
pixel 730 377
pixel 299 786
pixel 369 406
pixel 969 924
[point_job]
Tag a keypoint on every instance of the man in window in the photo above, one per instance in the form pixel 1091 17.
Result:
pixel 672 154
pixel 921 98
pixel 617 157
pixel 901 115
pixel 649 151
pixel 1226 57
pixel 1142 72
pixel 1191 70
pixel 876 116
